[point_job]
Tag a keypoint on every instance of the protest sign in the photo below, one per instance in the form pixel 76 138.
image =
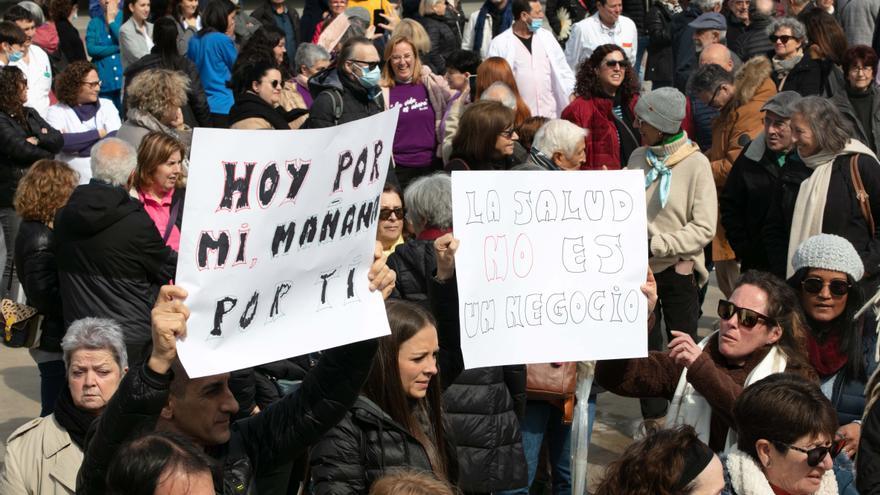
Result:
pixel 550 265
pixel 278 235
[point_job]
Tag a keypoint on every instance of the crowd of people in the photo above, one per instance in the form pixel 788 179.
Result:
pixel 756 125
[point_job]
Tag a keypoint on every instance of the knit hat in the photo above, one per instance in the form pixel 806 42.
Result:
pixel 829 252
pixel 663 108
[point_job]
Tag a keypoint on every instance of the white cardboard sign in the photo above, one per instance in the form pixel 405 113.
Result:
pixel 279 229
pixel 550 265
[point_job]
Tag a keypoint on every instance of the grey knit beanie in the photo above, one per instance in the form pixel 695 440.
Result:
pixel 829 252
pixel 663 108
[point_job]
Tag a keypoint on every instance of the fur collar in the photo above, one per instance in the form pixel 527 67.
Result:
pixel 745 476
pixel 751 79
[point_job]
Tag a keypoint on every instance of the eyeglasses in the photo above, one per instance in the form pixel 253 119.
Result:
pixel 747 317
pixel 508 133
pixel 369 65
pixel 816 454
pixel 385 213
pixel 92 84
pixel 276 83
pixel 783 38
pixel 613 64
pixel 836 287
pixel 857 69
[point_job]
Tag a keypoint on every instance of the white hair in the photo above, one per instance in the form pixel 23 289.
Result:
pixel 308 54
pixel 95 334
pixel 428 200
pixel 708 5
pixel 558 136
pixel 500 92
pixel 113 160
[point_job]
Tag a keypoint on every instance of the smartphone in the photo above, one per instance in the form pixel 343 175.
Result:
pixel 377 18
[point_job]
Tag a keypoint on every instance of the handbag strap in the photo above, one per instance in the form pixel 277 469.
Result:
pixel 861 194
pixel 172 220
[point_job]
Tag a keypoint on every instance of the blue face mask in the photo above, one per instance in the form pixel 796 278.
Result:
pixel 370 78
pixel 535 25
pixel 15 56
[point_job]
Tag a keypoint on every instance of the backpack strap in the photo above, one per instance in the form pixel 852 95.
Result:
pixel 861 194
pixel 336 96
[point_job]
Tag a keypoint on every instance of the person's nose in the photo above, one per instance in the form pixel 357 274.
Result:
pixel 229 404
pixel 827 462
pixel 825 293
pixel 431 369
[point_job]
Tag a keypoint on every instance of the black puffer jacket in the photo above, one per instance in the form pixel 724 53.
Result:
pixel 636 10
pixel 444 41
pixel 484 407
pixel 414 262
pixel 279 434
pixel 111 261
pixel 38 273
pixel 357 103
pixel 661 62
pixel 196 112
pixel 754 41
pixel 17 154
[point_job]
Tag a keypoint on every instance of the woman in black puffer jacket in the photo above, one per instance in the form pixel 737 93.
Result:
pixel 658 23
pixel 41 192
pixel 444 40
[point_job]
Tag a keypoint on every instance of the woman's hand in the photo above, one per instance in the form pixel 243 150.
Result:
pixel 381 277
pixel 851 434
pixel 392 19
pixel 649 289
pixel 683 350
pixel 445 248
pixel 34 141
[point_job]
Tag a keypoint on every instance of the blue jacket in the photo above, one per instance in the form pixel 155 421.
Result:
pixel 848 396
pixel 102 43
pixel 214 53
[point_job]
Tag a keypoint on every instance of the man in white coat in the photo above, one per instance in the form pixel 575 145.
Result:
pixel 604 27
pixel 544 79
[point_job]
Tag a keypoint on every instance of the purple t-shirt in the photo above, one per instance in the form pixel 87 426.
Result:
pixel 304 92
pixel 415 138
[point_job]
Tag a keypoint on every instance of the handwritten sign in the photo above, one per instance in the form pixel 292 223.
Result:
pixel 279 230
pixel 550 265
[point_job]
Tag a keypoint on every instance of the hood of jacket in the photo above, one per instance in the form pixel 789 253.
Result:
pixel 332 79
pixel 753 82
pixel 94 207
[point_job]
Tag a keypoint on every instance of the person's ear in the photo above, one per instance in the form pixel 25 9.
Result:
pixel 774 335
pixel 255 86
pixel 762 447
pixel 167 412
pixel 558 157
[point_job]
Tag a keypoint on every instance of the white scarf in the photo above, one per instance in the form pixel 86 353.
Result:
pixel 689 407
pixel 747 477
pixel 809 209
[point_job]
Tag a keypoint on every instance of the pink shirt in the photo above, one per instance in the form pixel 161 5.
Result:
pixel 160 212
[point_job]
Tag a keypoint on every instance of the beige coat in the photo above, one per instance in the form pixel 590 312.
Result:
pixel 41 459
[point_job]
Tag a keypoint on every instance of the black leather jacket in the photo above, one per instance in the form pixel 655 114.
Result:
pixel 38 273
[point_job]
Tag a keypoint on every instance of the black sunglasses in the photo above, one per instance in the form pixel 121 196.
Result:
pixel 836 287
pixel 275 83
pixel 783 38
pixel 747 317
pixel 623 64
pixel 816 454
pixel 370 65
pixel 385 213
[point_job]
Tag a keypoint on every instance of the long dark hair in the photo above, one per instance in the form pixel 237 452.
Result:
pixel 216 16
pixel 11 82
pixel 588 85
pixel 261 44
pixel 825 34
pixel 384 388
pixel 478 130
pixel 850 331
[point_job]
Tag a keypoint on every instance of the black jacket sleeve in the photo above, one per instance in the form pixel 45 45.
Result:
pixel 198 102
pixel 732 207
pixel 776 232
pixel 134 408
pixel 515 379
pixel 288 427
pixel 321 113
pixel 444 306
pixel 868 458
pixel 336 462
pixel 15 147
pixel 243 385
pixel 659 31
pixel 38 272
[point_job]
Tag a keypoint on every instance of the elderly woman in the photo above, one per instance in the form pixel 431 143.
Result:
pixel 310 59
pixel 102 45
pixel 82 117
pixel 391 219
pixel 159 181
pixel 155 99
pixel 43 190
pixel 841 348
pixel 44 455
pixel 759 332
pixel 812 74
pixel 422 96
pixel 789 38
pixel 858 99
pixel 559 145
pixel 786 442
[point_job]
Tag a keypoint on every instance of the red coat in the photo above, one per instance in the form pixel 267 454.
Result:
pixel 602 143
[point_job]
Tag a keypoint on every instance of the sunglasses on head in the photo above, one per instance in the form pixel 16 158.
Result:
pixel 836 287
pixel 783 38
pixel 816 454
pixel 611 64
pixel 385 213
pixel 747 317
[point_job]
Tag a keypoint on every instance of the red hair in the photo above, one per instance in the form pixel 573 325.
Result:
pixel 496 69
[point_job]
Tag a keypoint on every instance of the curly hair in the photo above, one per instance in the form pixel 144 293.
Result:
pixel 44 189
pixel 403 482
pixel 638 472
pixel 69 82
pixel 156 91
pixel 588 85
pixel 155 149
pixel 12 81
pixel 260 46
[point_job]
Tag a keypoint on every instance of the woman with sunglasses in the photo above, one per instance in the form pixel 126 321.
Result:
pixel 760 332
pixel 391 218
pixel 606 91
pixel 485 138
pixel 827 272
pixel 785 443
pixel 789 37
pixel 257 87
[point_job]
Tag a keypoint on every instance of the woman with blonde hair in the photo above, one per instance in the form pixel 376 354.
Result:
pixel 155 99
pixel 422 96
pixel 43 190
pixel 159 182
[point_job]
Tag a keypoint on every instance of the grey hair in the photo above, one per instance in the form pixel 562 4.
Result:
pixel 830 130
pixel 309 54
pixel 707 78
pixel 798 30
pixel 428 200
pixel 708 5
pixel 95 334
pixel 507 98
pixel 558 135
pixel 35 10
pixel 426 6
pixel 115 164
